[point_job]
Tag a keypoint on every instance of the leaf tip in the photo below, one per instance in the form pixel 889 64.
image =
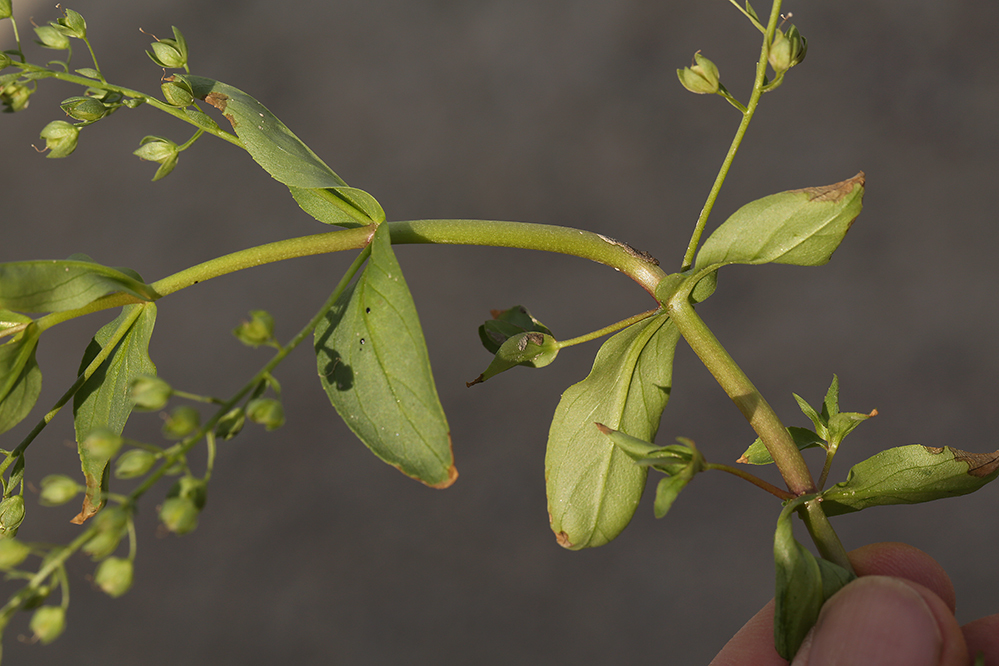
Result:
pixel 452 475
pixel 563 540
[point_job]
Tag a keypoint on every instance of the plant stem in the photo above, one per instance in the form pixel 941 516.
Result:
pixel 753 479
pixel 823 535
pixel 606 330
pixel 747 116
pixel 744 394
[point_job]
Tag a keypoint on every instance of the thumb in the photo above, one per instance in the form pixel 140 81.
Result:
pixel 882 621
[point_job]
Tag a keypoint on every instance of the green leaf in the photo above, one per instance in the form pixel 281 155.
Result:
pixel 593 486
pixel 757 453
pixel 343 206
pixel 908 475
pixel 55 286
pixel 102 402
pixel 374 366
pixel 271 144
pixel 317 189
pixel 803 584
pixel 507 323
pixel 20 378
pixel 799 227
pixel 534 350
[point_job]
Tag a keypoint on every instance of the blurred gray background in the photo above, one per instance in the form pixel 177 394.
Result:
pixel 312 551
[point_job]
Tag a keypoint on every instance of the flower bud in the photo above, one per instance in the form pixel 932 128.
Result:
pixel 72 25
pixel 58 489
pixel 181 422
pixel 60 138
pixel 114 576
pixel 258 331
pixel 51 37
pixel 12 553
pixel 179 515
pixel 170 53
pixel 268 412
pixel 149 393
pixel 102 443
pixel 177 92
pixel 133 463
pixel 15 96
pixel 230 424
pixel 11 516
pixel 111 524
pixel 86 109
pixel 190 488
pixel 48 623
pixel 788 49
pixel 158 149
pixel 4 60
pixel 701 77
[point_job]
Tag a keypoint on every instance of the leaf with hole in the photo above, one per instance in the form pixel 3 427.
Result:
pixel 374 366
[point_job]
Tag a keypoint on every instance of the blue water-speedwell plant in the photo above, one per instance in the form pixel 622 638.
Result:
pixel 372 361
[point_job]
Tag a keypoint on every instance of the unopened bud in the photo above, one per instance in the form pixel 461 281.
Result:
pixel 11 516
pixel 258 331
pixel 12 553
pixel 701 77
pixel 133 463
pixel 114 576
pixel 788 49
pixel 102 443
pixel 86 109
pixel 179 515
pixel 170 53
pixel 48 623
pixel 181 422
pixel 268 412
pixel 158 149
pixel 60 138
pixel 57 489
pixel 149 393
pixel 51 37
pixel 177 92
pixel 72 25
pixel 14 96
pixel 111 524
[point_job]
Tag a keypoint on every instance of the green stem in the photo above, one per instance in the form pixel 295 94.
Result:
pixel 753 479
pixel 606 330
pixel 823 535
pixel 747 117
pixel 744 394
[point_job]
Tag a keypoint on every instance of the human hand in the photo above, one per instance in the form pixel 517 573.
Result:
pixel 900 612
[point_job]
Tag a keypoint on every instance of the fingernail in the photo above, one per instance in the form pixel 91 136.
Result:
pixel 875 621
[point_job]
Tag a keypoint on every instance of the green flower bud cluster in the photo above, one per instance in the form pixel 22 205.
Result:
pixel 56 34
pixel 186 499
pixel 170 53
pixel 701 77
